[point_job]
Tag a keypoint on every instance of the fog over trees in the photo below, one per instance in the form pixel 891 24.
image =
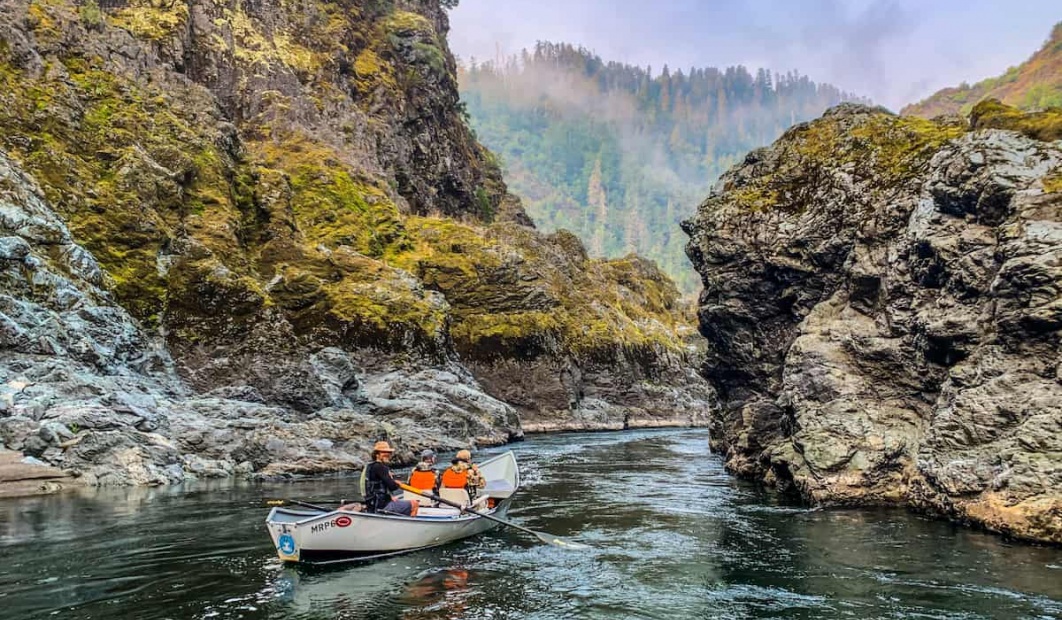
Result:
pixel 618 153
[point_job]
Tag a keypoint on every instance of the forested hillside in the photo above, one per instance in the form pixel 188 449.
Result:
pixel 1034 84
pixel 619 154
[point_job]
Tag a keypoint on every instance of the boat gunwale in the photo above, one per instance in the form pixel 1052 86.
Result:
pixel 461 518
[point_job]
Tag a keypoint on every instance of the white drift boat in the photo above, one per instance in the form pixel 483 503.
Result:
pixel 313 537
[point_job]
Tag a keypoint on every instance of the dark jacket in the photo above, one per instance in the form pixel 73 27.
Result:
pixel 379 485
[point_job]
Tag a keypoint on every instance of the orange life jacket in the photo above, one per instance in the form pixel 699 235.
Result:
pixel 455 479
pixel 422 479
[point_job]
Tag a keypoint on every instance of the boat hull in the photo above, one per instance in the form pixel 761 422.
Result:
pixel 361 534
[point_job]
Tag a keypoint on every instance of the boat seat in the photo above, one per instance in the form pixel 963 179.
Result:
pixel 413 497
pixel 457 496
pixel 438 513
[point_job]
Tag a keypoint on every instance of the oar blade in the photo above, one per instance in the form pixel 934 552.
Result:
pixel 557 541
pixel 282 503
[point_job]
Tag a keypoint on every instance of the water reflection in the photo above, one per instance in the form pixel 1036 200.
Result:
pixel 672 534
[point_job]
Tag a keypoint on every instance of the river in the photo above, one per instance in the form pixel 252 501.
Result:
pixel 672 535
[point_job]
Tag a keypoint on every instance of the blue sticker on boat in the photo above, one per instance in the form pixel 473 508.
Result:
pixel 286 544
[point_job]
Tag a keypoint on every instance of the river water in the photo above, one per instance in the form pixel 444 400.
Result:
pixel 673 536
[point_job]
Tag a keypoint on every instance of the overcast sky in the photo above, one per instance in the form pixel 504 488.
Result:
pixel 894 51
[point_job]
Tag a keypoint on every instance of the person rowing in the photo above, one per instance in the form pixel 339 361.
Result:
pixel 378 485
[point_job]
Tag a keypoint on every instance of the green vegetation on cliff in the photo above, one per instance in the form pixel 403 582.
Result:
pixel 1032 85
pixel 124 161
pixel 886 149
pixel 515 291
pixel 1043 125
pixel 619 154
pixel 305 163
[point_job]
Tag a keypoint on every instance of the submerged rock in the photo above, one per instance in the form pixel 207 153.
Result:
pixel 883 305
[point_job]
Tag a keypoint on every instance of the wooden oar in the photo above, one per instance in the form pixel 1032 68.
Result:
pixel 549 539
pixel 285 502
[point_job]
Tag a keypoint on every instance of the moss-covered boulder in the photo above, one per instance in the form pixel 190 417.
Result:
pixel 1043 125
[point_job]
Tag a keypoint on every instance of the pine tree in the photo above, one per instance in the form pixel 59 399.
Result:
pixel 598 204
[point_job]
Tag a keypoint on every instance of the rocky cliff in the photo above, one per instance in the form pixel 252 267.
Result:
pixel 883 304
pixel 254 237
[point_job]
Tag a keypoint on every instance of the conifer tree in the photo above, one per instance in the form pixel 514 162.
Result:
pixel 598 203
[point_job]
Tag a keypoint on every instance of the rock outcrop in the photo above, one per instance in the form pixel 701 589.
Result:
pixel 84 387
pixel 22 476
pixel 883 306
pixel 254 237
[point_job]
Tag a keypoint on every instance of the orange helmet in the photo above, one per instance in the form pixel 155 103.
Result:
pixel 382 446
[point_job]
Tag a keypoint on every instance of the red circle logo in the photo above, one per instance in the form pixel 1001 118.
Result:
pixel 343 521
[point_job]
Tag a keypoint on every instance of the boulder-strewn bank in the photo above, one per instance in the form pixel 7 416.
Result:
pixel 883 304
pixel 251 238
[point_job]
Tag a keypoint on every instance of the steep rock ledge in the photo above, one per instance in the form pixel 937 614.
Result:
pixel 286 243
pixel 85 388
pixel 883 304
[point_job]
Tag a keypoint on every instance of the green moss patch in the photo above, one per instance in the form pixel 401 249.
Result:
pixel 1053 182
pixel 992 114
pixel 331 205
pixel 371 72
pixel 880 148
pixel 150 19
pixel 408 23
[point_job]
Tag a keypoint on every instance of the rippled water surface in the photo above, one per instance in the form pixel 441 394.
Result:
pixel 673 537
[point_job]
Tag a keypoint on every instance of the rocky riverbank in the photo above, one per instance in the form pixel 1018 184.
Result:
pixel 24 477
pixel 883 305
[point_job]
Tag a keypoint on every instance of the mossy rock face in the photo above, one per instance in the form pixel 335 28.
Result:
pixel 138 157
pixel 864 143
pixel 206 301
pixel 260 180
pixel 992 114
pixel 125 162
pixel 519 294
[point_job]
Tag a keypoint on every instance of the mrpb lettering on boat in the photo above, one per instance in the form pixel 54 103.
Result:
pixel 341 521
